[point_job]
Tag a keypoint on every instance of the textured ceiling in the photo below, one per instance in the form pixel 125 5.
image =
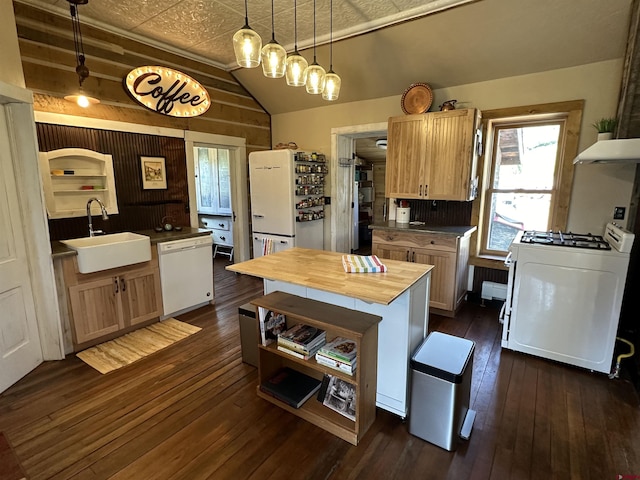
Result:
pixel 204 27
pixel 477 41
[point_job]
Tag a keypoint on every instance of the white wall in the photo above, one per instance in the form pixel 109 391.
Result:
pixel 597 188
pixel 11 71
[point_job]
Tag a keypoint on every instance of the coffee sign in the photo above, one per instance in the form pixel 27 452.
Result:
pixel 167 91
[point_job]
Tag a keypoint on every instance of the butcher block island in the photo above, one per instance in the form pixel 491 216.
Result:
pixel 400 296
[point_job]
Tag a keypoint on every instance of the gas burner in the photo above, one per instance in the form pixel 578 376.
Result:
pixel 565 239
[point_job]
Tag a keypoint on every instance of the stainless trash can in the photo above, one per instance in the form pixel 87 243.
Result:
pixel 248 334
pixel 440 390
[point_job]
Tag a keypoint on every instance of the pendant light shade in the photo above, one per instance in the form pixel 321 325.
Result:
pixel 80 97
pixel 331 86
pixel 315 73
pixel 274 56
pixel 296 65
pixel 315 79
pixel 296 71
pixel 247 44
pixel 331 89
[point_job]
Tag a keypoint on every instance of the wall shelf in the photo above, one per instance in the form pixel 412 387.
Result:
pixel 64 195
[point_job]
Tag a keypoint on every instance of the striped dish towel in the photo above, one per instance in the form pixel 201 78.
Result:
pixel 362 264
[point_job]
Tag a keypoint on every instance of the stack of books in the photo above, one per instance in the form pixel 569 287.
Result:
pixel 302 341
pixel 340 354
pixel 291 387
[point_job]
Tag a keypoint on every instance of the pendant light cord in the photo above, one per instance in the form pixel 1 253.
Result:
pixel 273 25
pixel 331 36
pixel 314 31
pixel 246 14
pixel 77 35
pixel 295 26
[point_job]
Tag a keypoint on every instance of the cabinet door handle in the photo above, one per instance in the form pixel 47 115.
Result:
pixel 222 238
pixel 413 257
pixel 115 285
pixel 407 255
pixel 123 285
pixel 425 190
pixel 420 190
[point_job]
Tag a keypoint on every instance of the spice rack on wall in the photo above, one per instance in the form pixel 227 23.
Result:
pixel 71 176
pixel 310 172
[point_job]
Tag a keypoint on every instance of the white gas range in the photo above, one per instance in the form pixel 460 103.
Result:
pixel 564 295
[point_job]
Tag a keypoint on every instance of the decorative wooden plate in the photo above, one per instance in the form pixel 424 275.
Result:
pixel 416 99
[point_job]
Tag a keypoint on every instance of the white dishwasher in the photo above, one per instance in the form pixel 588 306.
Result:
pixel 186 274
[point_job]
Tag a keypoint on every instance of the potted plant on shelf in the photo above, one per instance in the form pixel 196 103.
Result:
pixel 605 127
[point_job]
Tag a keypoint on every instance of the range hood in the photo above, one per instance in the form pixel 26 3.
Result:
pixel 624 150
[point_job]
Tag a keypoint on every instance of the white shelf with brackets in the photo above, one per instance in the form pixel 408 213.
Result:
pixel 71 176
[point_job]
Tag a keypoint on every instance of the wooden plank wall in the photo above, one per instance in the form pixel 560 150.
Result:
pixel 48 61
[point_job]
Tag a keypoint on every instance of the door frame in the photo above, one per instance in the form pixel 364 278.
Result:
pixel 23 148
pixel 239 192
pixel 343 177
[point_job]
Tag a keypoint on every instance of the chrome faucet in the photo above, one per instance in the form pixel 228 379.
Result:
pixel 92 232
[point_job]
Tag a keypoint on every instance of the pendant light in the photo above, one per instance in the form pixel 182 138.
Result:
pixel 247 44
pixel 315 73
pixel 296 68
pixel 274 56
pixel 332 80
pixel 80 98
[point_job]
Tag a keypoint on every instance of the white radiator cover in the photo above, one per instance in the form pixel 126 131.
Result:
pixel 493 290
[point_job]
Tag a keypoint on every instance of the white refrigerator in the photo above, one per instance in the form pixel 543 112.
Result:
pixel 287 200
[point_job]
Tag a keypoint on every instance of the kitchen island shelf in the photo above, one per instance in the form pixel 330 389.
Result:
pixel 359 327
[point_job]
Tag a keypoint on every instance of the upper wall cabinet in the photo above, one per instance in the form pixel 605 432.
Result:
pixel 433 156
pixel 71 176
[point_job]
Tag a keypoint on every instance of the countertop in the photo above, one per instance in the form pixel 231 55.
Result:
pixel 458 231
pixel 59 249
pixel 323 270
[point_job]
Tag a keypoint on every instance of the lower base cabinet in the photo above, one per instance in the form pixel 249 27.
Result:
pixel 360 327
pixel 448 254
pixel 105 304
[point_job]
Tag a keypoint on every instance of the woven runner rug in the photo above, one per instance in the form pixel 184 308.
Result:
pixel 133 346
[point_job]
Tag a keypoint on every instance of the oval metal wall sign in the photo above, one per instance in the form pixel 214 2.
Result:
pixel 167 91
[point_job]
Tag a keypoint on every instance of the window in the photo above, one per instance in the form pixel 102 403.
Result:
pixel 213 180
pixel 528 170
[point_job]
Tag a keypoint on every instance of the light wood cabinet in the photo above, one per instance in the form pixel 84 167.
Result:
pixel 105 304
pixel 449 254
pixel 360 327
pixel 433 156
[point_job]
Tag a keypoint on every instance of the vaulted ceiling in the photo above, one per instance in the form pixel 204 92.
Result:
pixel 380 46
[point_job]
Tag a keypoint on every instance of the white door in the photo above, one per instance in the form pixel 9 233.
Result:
pixel 20 350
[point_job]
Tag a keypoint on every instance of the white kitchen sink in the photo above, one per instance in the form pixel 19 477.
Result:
pixel 110 251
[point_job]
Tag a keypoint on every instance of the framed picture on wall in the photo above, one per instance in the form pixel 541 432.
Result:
pixel 154 173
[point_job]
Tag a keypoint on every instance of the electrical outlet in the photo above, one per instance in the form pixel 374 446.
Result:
pixel 618 213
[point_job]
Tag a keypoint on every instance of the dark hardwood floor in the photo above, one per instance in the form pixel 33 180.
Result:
pixel 191 412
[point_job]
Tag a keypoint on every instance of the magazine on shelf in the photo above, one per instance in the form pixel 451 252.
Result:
pixel 303 356
pixel 340 348
pixel 339 395
pixel 291 386
pixel 271 324
pixel 303 335
pixel 348 368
